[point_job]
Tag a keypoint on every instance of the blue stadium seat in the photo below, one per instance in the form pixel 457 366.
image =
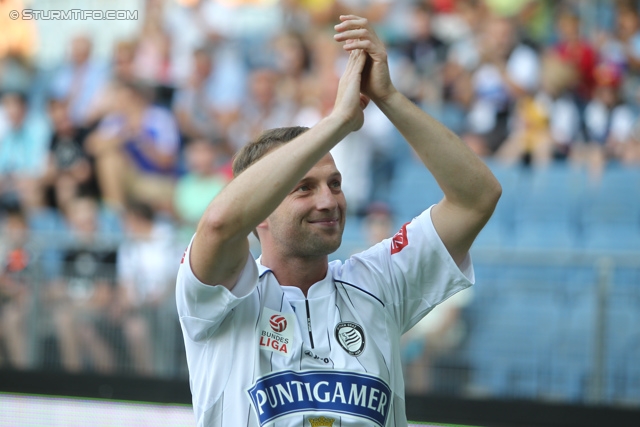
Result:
pixel 413 189
pixel 606 236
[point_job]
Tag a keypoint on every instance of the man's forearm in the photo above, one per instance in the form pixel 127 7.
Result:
pixel 255 193
pixel 464 178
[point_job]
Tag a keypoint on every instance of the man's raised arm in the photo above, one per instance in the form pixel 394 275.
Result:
pixel 220 247
pixel 471 192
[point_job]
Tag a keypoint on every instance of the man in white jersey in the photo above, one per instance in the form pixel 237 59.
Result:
pixel 289 339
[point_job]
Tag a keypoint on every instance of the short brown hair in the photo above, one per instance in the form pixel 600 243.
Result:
pixel 269 139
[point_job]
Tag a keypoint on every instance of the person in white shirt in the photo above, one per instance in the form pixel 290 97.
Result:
pixel 291 339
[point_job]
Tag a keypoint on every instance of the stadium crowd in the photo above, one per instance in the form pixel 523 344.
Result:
pixel 105 166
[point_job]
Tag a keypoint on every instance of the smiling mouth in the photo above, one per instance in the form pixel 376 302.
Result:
pixel 327 221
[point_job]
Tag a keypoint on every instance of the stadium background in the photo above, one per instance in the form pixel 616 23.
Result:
pixel 92 232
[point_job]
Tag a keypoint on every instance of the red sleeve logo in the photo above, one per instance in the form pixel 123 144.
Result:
pixel 183 255
pixel 400 240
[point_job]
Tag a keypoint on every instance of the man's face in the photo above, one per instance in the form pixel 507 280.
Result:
pixel 310 221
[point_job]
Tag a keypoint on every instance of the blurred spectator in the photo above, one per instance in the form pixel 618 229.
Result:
pixel 378 223
pixel 141 142
pixel 424 48
pixel 609 122
pixel 18 42
pixel 17 271
pixel 531 18
pixel 147 265
pixel 356 156
pixel 122 61
pixel 468 22
pixel 241 20
pixel 374 10
pixel 436 335
pixel 70 169
pixel 623 50
pixel 423 54
pixel 195 109
pixel 195 190
pixel 83 297
pixel 23 149
pixel 18 37
pixel 80 81
pixel 294 63
pixel 576 51
pixel 152 61
pixel 263 109
pixel 547 125
pixel 508 70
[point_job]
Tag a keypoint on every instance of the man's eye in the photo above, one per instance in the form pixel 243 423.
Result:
pixel 304 188
pixel 336 184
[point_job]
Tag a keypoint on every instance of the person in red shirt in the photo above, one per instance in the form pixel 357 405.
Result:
pixel 577 51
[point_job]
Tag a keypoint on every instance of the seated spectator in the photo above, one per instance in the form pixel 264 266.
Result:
pixel 424 48
pixel 508 70
pixel 195 190
pixel 17 273
pixel 576 51
pixel 147 265
pixel 622 48
pixel 152 61
pixel 80 81
pixel 194 106
pixel 141 142
pixel 263 109
pixel 18 45
pixel 436 335
pixel 609 121
pixel 81 299
pixel 23 149
pixel 70 169
pixel 547 125
pixel 122 61
pixel 294 63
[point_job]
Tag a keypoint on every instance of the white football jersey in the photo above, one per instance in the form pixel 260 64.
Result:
pixel 264 355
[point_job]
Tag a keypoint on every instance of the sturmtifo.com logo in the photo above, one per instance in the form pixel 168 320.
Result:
pixel 74 15
pixel 350 336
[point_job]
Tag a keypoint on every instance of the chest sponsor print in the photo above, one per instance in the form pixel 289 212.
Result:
pixel 284 393
pixel 351 338
pixel 276 332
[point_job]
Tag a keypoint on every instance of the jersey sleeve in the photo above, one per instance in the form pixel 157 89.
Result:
pixel 411 272
pixel 201 307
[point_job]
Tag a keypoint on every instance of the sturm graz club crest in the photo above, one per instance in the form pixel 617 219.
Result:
pixel 351 337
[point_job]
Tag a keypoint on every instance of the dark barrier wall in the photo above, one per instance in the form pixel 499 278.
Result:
pixel 480 412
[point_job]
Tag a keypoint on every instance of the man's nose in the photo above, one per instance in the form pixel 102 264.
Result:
pixel 326 199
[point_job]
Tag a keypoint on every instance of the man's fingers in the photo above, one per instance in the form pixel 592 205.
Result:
pixel 366 45
pixel 352 20
pixel 357 58
pixel 351 34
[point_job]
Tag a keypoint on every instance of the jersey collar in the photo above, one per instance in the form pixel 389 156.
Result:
pixel 319 289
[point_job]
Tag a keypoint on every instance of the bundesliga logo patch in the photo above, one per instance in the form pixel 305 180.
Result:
pixel 284 393
pixel 276 331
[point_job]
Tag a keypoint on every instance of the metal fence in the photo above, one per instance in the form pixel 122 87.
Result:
pixel 80 307
pixel 561 326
